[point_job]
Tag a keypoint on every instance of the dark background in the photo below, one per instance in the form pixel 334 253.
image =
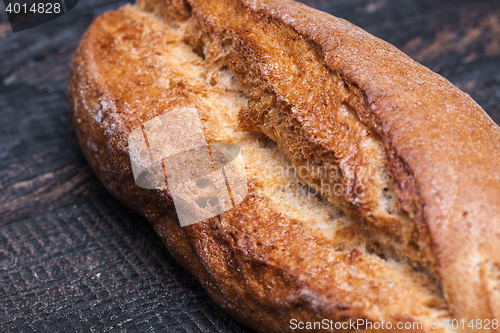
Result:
pixel 71 257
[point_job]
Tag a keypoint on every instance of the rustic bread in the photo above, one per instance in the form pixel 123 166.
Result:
pixel 316 105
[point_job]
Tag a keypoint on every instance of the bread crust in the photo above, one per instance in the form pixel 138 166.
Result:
pixel 260 265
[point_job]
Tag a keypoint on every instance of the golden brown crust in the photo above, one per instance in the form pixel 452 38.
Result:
pixel 442 148
pixel 258 263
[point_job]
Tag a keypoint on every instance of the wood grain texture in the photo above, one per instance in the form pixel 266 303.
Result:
pixel 71 257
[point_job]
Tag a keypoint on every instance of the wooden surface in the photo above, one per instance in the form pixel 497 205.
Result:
pixel 71 257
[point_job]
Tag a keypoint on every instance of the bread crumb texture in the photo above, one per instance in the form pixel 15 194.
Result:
pixel 324 231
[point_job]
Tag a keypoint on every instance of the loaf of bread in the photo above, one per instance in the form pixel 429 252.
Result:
pixel 373 183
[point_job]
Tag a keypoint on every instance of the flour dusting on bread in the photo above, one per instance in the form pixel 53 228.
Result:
pixel 333 226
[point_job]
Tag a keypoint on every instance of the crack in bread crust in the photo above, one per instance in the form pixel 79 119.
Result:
pixel 283 253
pixel 318 129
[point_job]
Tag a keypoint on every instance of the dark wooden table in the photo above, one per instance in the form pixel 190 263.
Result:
pixel 71 257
